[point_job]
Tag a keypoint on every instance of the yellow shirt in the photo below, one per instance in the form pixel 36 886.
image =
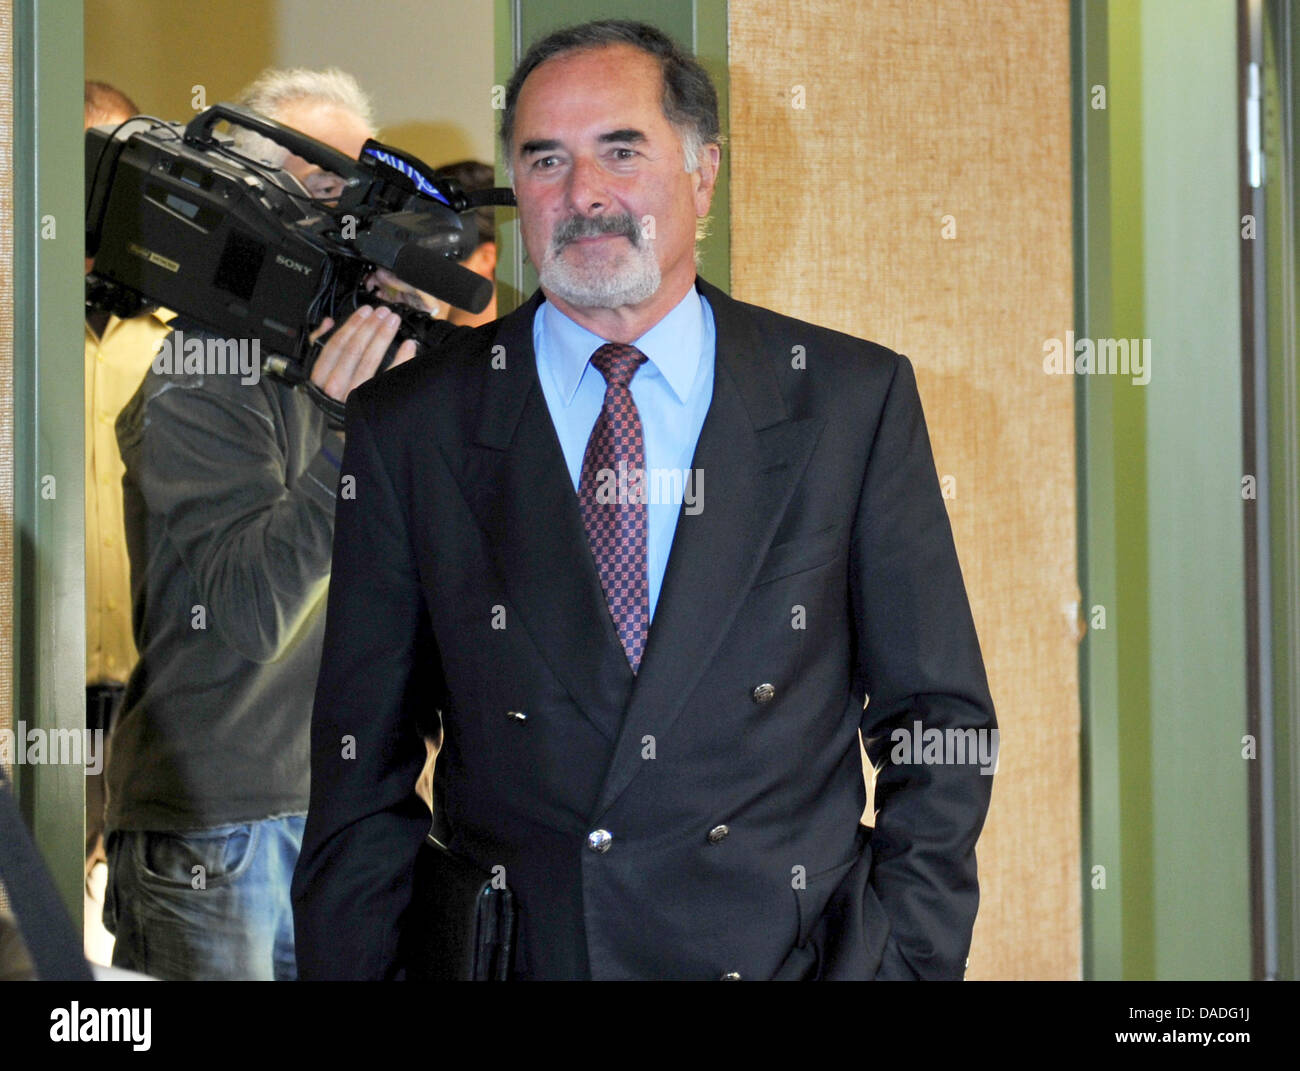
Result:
pixel 115 365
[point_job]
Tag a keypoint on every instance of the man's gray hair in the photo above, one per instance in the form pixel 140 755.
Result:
pixel 275 89
pixel 690 102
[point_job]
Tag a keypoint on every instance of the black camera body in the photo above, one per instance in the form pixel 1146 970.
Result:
pixel 175 216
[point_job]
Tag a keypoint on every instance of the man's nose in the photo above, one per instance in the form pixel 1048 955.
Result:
pixel 587 191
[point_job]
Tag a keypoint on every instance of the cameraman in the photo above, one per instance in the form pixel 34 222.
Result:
pixel 229 498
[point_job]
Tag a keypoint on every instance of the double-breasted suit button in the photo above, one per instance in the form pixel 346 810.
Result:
pixel 730 976
pixel 764 693
pixel 600 840
pixel 516 715
pixel 718 834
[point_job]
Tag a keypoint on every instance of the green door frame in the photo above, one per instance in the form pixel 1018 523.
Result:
pixel 49 672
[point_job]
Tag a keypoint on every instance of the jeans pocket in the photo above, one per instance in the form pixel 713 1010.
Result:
pixel 196 858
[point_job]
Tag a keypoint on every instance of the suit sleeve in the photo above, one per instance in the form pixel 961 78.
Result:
pixel 918 660
pixel 379 667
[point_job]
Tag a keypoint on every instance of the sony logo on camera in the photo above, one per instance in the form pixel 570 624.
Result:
pixel 287 262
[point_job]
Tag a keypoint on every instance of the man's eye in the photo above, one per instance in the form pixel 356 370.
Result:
pixel 323 185
pixel 545 162
pixel 624 153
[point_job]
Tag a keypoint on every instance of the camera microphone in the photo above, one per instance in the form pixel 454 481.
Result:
pixel 431 271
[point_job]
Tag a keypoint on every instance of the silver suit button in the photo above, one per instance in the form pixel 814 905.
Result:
pixel 718 834
pixel 764 693
pixel 518 715
pixel 730 976
pixel 600 840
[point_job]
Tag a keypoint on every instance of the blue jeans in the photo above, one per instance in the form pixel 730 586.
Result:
pixel 204 904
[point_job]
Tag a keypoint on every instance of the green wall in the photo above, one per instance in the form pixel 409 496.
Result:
pixel 1165 809
pixel 1195 509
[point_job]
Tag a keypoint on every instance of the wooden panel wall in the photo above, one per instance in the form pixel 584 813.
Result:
pixel 901 171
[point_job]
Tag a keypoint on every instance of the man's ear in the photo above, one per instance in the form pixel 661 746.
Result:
pixel 706 178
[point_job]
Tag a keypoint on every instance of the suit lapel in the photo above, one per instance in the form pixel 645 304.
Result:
pixel 518 486
pixel 751 456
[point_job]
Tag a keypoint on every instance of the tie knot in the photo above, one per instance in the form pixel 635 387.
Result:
pixel 617 363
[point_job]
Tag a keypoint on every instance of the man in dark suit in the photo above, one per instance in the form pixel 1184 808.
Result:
pixel 660 748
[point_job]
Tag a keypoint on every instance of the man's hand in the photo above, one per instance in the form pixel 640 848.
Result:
pixel 353 353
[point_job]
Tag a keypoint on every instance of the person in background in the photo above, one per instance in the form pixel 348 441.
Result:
pixel 473 175
pixel 118 353
pixel 229 490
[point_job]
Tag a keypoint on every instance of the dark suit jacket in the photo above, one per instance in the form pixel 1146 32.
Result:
pixel 821 564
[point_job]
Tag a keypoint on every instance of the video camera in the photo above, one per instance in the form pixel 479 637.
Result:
pixel 177 216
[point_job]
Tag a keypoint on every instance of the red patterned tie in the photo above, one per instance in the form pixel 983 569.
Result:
pixel 611 495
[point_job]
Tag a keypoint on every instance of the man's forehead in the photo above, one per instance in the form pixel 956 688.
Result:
pixel 597 84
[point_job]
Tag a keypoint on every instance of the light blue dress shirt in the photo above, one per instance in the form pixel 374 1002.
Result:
pixel 672 391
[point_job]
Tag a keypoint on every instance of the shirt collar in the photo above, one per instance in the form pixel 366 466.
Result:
pixel 672 346
pixel 157 314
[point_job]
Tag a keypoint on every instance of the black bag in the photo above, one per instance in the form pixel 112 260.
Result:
pixel 461 923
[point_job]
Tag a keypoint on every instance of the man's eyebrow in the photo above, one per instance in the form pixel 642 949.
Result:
pixel 627 134
pixel 538 145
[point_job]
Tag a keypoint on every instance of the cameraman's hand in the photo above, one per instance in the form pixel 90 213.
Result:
pixel 391 289
pixel 353 353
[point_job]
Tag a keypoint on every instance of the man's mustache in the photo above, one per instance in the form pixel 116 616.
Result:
pixel 594 227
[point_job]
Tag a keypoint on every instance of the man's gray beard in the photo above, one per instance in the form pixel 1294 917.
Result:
pixel 589 288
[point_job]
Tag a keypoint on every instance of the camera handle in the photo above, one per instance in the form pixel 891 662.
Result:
pixel 199 131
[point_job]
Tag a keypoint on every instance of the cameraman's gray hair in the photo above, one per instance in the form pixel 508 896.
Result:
pixel 276 88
